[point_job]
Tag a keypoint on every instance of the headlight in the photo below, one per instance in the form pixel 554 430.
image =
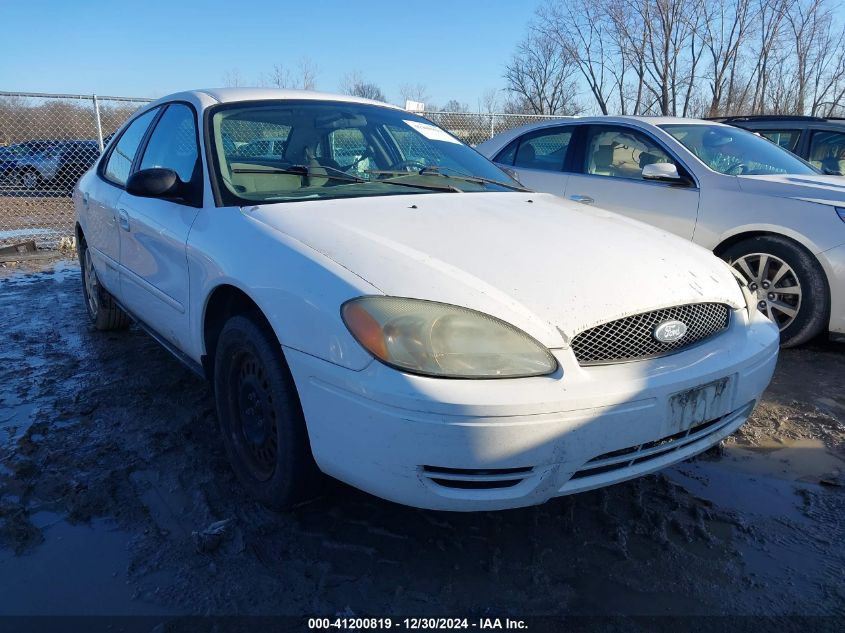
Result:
pixel 437 339
pixel 841 213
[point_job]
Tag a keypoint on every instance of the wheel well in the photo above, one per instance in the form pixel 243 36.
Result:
pixel 225 301
pixel 741 237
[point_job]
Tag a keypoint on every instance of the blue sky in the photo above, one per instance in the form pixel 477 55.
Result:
pixel 458 49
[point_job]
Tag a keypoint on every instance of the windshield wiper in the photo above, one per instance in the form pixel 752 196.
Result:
pixel 337 174
pixel 437 170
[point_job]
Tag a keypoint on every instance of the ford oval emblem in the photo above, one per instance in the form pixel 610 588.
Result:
pixel 670 331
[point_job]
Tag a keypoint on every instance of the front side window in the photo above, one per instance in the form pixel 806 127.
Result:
pixel 173 143
pixel 827 152
pixel 787 139
pixel 320 150
pixel 621 153
pixel 736 152
pixel 120 160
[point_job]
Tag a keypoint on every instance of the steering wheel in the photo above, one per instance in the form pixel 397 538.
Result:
pixel 410 165
pixel 356 162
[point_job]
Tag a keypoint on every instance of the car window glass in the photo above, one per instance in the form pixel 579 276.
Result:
pixel 736 152
pixel 507 155
pixel 378 150
pixel 622 153
pixel 827 152
pixel 246 139
pixel 173 143
pixel 346 148
pixel 543 150
pixel 787 139
pixel 120 160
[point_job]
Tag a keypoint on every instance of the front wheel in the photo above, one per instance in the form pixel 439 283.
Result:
pixel 30 179
pixel 789 285
pixel 260 415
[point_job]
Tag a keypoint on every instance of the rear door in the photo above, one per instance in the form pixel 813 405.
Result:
pixel 153 261
pixel 611 160
pixel 539 158
pixel 100 201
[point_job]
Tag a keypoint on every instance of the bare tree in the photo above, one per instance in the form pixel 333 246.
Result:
pixel 453 105
pixel 414 92
pixel 354 84
pixel 304 78
pixel 540 77
pixel 232 78
pixel 583 31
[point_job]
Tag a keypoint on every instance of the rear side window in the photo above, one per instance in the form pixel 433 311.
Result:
pixel 120 160
pixel 827 152
pixel 545 150
pixel 173 143
pixel 787 139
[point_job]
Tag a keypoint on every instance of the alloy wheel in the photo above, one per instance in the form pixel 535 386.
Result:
pixel 774 284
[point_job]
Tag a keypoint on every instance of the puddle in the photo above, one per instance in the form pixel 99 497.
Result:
pixel 77 570
pixel 796 460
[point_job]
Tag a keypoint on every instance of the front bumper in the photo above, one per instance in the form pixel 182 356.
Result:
pixel 492 444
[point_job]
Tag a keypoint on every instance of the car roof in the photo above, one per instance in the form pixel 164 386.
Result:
pixel 234 95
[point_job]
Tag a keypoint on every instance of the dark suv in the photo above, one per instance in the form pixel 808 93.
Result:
pixel 821 142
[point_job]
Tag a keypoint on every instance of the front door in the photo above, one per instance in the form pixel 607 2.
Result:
pixel 154 232
pixel 611 178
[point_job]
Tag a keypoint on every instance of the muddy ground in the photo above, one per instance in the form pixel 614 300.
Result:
pixel 110 461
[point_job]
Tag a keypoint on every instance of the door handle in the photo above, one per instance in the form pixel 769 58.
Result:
pixel 85 198
pixel 123 219
pixel 581 199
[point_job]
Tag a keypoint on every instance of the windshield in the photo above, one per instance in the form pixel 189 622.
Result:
pixel 737 152
pixel 283 151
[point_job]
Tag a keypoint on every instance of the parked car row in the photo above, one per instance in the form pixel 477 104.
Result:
pixel 775 218
pixel 47 164
pixel 374 300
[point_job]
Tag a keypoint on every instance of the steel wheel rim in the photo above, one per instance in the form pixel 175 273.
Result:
pixel 255 427
pixel 91 285
pixel 774 284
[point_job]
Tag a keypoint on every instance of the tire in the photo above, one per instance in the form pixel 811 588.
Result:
pixel 792 282
pixel 30 179
pixel 102 309
pixel 260 415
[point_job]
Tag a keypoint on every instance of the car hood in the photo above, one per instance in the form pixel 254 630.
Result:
pixel 821 189
pixel 543 264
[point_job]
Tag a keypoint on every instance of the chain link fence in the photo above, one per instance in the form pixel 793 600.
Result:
pixel 47 141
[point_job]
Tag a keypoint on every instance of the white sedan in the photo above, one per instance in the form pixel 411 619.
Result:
pixel 372 299
pixel 775 218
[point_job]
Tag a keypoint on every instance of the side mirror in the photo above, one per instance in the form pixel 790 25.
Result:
pixel 662 172
pixel 156 182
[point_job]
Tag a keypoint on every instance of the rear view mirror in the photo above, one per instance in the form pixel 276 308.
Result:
pixel 156 182
pixel 662 172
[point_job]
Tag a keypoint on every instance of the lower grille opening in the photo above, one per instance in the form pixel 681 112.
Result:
pixel 642 453
pixel 476 484
pixel 476 478
pixel 438 470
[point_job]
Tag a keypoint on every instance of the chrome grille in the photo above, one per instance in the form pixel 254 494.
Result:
pixel 632 337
